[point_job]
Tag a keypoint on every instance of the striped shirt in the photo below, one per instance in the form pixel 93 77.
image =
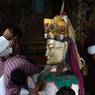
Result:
pixel 13 63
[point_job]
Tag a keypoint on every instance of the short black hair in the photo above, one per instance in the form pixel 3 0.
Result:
pixel 18 77
pixel 15 29
pixel 65 91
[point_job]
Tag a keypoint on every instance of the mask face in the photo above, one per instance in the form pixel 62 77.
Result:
pixel 56 51
pixel 6 52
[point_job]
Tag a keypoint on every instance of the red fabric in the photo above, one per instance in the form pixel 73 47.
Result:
pixel 73 61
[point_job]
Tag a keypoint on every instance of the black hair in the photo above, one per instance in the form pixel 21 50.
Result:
pixel 15 29
pixel 65 91
pixel 18 77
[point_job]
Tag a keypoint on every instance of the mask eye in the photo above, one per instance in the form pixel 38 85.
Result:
pixel 51 48
pixel 52 27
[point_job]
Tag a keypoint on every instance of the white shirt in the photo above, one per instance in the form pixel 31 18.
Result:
pixel 4 43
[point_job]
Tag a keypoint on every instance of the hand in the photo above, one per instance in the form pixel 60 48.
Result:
pixel 36 90
pixel 11 43
pixel 31 92
pixel 31 83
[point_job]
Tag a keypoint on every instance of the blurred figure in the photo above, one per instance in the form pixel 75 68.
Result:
pixel 10 34
pixel 91 69
pixel 88 55
pixel 17 70
pixel 7 41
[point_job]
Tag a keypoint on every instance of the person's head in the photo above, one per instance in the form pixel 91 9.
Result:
pixel 13 34
pixel 18 77
pixel 11 31
pixel 65 91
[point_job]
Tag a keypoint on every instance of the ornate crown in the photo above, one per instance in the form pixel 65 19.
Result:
pixel 56 28
pixel 59 28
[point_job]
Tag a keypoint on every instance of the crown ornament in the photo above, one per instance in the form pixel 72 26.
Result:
pixel 55 28
pixel 58 28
